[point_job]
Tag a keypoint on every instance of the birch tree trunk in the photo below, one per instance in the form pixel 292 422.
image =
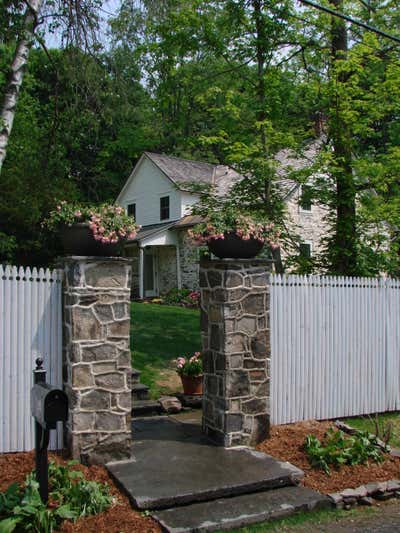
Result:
pixel 16 76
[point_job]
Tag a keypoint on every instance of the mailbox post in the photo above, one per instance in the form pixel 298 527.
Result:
pixel 48 406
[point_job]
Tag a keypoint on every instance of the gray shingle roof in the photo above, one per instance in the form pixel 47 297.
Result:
pixel 182 171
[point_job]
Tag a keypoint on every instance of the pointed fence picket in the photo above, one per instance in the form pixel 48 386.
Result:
pixel 335 347
pixel 30 325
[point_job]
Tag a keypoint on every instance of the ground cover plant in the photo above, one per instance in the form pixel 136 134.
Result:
pixel 339 449
pixel 160 334
pixel 71 496
pixel 116 518
pixel 287 444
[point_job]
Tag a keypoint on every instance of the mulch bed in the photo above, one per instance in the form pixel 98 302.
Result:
pixel 286 444
pixel 119 518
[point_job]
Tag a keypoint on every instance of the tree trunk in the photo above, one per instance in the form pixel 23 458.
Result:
pixel 344 252
pixel 16 77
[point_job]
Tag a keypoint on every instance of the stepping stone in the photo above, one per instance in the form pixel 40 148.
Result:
pixel 145 408
pixel 239 511
pixel 173 464
pixel 140 391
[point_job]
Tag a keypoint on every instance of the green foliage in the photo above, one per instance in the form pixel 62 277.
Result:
pixel 71 495
pixel 184 297
pixel 108 223
pixel 339 449
pixel 190 366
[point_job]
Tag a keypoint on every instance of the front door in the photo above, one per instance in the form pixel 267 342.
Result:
pixel 149 273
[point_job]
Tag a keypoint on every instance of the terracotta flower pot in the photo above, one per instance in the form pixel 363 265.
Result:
pixel 78 239
pixel 192 385
pixel 234 247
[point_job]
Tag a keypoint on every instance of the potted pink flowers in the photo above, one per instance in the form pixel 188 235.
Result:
pixel 190 370
pixel 92 230
pixel 229 233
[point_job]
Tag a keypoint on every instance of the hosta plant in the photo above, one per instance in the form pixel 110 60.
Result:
pixel 339 449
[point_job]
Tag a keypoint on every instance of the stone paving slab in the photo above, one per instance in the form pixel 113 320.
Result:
pixel 239 511
pixel 173 464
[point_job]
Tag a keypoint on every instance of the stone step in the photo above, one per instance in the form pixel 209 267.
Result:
pixel 135 376
pixel 145 408
pixel 239 511
pixel 176 465
pixel 140 391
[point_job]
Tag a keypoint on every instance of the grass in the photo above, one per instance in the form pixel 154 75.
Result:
pixel 159 334
pixel 367 423
pixel 302 521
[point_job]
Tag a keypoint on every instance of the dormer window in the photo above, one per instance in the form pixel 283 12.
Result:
pixel 131 210
pixel 164 208
pixel 305 198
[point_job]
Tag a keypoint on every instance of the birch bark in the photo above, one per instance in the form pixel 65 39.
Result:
pixel 16 77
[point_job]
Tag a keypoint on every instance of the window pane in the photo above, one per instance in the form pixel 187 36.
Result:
pixel 305 250
pixel 131 209
pixel 305 198
pixel 164 208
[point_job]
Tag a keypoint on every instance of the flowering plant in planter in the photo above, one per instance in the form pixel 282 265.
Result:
pixel 108 223
pixel 190 366
pixel 222 218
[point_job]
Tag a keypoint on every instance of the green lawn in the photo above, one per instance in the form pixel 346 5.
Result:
pixel 159 334
pixel 367 423
pixel 305 522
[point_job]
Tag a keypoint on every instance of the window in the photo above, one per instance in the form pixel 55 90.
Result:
pixel 164 208
pixel 305 250
pixel 131 210
pixel 305 198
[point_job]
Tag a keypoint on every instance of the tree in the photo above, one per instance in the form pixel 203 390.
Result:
pixel 78 22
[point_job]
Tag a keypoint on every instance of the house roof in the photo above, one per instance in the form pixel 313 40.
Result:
pixel 152 229
pixel 182 171
pixel 185 171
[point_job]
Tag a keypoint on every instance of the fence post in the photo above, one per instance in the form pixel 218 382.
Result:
pixel 235 340
pixel 97 360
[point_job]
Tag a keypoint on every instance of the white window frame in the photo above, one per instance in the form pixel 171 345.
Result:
pixel 310 243
pixel 163 195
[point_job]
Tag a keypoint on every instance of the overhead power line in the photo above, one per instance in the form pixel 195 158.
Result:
pixel 351 20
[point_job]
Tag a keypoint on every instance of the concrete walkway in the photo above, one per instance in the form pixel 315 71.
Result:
pixel 193 485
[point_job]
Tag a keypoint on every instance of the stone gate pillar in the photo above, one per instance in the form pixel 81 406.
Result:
pixel 96 357
pixel 236 351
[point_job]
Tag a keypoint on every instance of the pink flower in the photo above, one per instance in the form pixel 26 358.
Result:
pixel 78 213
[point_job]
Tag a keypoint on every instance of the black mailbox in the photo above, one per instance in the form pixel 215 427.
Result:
pixel 48 405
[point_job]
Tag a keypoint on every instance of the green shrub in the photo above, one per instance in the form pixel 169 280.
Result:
pixel 71 496
pixel 340 449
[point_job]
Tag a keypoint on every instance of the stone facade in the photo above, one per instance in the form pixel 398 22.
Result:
pixel 236 350
pixel 97 359
pixel 189 261
pixel 167 271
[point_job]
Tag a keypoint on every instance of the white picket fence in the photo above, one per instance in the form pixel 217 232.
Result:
pixel 30 325
pixel 335 347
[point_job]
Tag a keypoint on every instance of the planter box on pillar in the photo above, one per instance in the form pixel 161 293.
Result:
pixel 97 359
pixel 236 350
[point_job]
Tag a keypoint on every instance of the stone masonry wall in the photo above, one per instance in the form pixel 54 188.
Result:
pixel 189 261
pixel 167 275
pixel 97 359
pixel 236 350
